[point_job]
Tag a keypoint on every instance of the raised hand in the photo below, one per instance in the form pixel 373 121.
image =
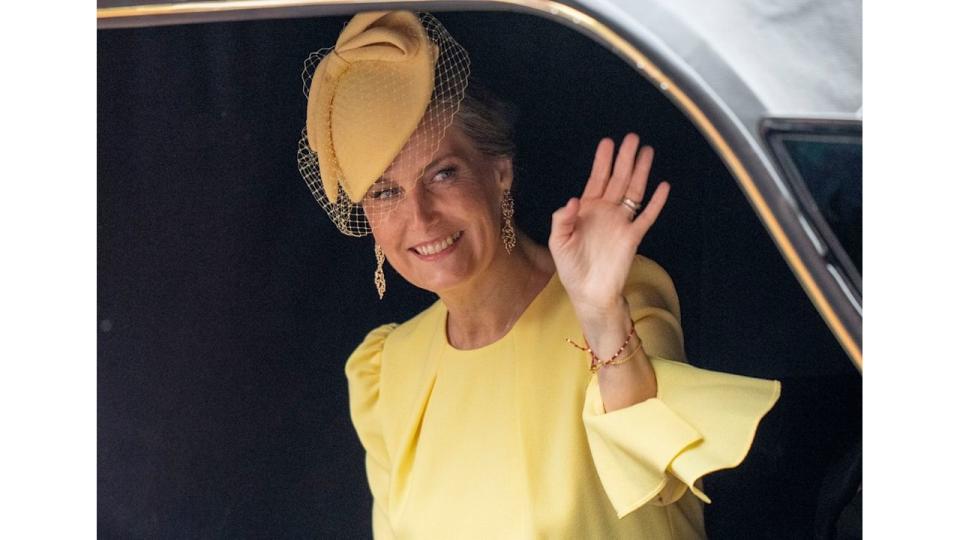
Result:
pixel 593 239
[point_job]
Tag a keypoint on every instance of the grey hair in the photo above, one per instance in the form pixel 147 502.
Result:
pixel 487 121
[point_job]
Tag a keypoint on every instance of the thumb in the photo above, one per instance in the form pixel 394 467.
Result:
pixel 564 221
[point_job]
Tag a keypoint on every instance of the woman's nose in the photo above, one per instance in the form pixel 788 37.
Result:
pixel 422 205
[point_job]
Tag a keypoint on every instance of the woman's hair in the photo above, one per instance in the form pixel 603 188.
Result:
pixel 487 121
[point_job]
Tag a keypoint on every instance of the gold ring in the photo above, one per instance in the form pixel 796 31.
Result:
pixel 633 205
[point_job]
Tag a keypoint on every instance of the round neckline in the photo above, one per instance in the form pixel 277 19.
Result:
pixel 502 339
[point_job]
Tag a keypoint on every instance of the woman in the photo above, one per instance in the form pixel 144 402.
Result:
pixel 480 417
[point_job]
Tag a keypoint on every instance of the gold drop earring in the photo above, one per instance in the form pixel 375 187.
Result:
pixel 507 234
pixel 378 278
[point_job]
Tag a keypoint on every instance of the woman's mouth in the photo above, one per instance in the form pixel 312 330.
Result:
pixel 433 250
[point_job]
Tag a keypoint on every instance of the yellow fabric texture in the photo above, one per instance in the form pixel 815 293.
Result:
pixel 374 86
pixel 511 440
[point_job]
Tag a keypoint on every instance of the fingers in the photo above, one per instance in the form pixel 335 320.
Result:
pixel 601 169
pixel 638 180
pixel 563 223
pixel 645 220
pixel 623 168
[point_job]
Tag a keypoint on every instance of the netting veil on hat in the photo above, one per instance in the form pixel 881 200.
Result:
pixel 380 99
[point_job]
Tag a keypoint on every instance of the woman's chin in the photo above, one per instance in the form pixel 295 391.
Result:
pixel 440 276
pixel 440 281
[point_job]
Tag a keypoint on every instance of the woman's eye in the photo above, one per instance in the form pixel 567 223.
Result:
pixel 384 193
pixel 446 174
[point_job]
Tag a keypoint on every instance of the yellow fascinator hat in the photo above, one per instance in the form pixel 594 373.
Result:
pixel 389 76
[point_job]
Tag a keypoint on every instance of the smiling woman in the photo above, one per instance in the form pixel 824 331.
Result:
pixel 444 229
pixel 480 416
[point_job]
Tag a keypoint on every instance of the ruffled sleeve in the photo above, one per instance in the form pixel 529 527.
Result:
pixel 700 421
pixel 363 379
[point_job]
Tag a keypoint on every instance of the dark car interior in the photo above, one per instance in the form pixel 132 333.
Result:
pixel 228 303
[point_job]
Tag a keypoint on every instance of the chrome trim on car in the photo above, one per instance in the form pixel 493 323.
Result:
pixel 814 237
pixel 845 287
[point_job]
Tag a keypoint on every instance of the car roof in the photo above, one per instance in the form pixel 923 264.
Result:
pixel 800 58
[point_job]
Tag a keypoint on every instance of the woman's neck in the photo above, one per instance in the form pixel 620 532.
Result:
pixel 484 310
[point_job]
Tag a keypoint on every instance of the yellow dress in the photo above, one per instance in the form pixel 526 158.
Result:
pixel 511 440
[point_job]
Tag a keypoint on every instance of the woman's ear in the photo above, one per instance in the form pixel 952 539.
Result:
pixel 503 171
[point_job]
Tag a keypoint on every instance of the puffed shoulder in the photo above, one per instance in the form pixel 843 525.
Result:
pixel 364 362
pixel 363 380
pixel 701 421
pixel 655 309
pixel 649 285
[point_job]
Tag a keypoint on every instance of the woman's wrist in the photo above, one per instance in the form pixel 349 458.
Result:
pixel 605 329
pixel 621 384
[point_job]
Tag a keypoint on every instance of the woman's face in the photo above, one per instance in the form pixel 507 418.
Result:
pixel 443 227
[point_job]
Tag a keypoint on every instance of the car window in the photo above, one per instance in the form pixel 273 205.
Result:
pixel 824 166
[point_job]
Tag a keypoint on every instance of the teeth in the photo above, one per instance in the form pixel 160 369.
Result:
pixel 436 247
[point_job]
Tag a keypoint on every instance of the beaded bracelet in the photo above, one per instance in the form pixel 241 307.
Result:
pixel 613 362
pixel 596 363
